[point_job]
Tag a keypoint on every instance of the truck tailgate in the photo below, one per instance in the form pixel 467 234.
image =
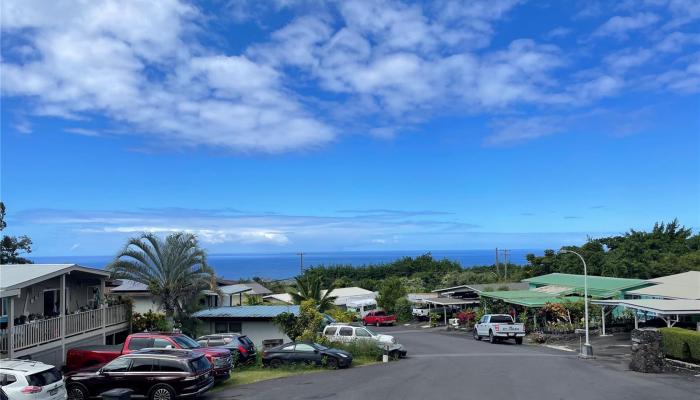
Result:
pixel 509 328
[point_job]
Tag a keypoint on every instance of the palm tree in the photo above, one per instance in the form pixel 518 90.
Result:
pixel 175 269
pixel 309 288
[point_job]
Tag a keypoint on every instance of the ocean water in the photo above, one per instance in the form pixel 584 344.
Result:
pixel 286 265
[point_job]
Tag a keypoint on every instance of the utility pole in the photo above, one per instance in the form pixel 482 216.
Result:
pixel 506 258
pixel 497 272
pixel 301 262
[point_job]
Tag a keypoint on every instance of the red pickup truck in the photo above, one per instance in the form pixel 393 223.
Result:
pixel 88 356
pixel 378 317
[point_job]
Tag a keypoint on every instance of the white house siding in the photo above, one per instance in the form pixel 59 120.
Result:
pixel 257 331
pixel 144 304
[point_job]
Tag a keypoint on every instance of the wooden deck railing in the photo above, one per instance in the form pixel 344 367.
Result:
pixel 48 330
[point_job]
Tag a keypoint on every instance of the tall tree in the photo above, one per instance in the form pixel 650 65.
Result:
pixel 12 247
pixel 175 269
pixel 309 287
pixel 390 292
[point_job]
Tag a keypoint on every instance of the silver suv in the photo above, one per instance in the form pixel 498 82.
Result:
pixel 31 380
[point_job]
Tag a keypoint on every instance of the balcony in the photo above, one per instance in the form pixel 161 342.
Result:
pixel 44 331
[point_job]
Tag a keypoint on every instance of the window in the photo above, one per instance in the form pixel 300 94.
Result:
pixel 220 327
pixel 7 379
pixel 227 327
pixel 216 343
pixel 170 366
pixel 345 331
pixel 304 347
pixel 501 319
pixel 162 343
pixel 93 296
pixel 142 365
pixel 362 333
pixel 44 378
pixel 200 364
pixel 186 342
pixel 138 343
pixel 118 365
pixel 331 330
pixel 288 348
pixel 379 313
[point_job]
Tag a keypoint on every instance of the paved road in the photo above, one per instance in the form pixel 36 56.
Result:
pixel 444 365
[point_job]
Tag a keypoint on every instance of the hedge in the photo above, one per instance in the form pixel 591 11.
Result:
pixel 681 344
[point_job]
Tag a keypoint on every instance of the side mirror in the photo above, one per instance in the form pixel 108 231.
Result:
pixel 316 351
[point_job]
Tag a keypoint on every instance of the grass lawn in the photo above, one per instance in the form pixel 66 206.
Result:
pixel 257 373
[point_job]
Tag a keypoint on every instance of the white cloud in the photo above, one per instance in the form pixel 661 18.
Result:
pixel 114 58
pixel 620 26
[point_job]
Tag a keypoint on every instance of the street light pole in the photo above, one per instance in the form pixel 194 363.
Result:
pixel 587 350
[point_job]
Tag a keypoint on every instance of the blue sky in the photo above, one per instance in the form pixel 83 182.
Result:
pixel 304 125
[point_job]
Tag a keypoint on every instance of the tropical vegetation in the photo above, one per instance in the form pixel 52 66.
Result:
pixel 310 288
pixel 174 269
pixel 12 248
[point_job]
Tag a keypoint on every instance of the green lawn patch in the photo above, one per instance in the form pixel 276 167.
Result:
pixel 257 373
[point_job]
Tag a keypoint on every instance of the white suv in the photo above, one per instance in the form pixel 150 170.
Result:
pixel 349 333
pixel 31 380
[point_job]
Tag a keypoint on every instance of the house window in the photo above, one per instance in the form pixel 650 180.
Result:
pixel 227 327
pixel 4 306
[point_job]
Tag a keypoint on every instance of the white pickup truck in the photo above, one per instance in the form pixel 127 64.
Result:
pixel 497 327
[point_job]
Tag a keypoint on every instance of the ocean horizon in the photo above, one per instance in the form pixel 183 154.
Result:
pixel 286 265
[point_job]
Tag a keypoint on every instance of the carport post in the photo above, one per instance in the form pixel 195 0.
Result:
pixel 636 323
pixel 445 312
pixel 602 317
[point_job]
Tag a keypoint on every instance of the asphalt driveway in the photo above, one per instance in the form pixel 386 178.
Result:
pixel 444 365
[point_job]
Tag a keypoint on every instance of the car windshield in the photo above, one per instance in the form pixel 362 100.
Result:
pixel 320 347
pixel 500 319
pixel 186 342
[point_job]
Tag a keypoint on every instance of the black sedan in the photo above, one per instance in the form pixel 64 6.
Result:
pixel 307 353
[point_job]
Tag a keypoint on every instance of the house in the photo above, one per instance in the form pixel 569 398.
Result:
pixel 143 301
pixel 49 308
pixel 238 294
pixel 253 321
pixel 278 298
pixel 343 296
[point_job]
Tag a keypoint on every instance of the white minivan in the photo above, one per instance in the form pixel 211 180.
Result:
pixel 31 380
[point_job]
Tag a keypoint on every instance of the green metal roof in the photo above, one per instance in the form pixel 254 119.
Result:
pixel 598 286
pixel 528 298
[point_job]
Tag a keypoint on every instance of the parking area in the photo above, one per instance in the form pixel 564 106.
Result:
pixel 445 365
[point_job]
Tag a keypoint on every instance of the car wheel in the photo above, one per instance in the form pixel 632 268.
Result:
pixel 519 340
pixel 395 355
pixel 378 323
pixel 331 363
pixel 476 335
pixel 162 392
pixel 77 392
pixel 492 338
pixel 364 323
pixel 275 363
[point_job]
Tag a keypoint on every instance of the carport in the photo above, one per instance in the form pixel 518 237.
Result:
pixel 665 309
pixel 448 302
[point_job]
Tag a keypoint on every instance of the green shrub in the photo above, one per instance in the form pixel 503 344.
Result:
pixel 149 321
pixel 342 315
pixel 360 349
pixel 404 310
pixel 681 344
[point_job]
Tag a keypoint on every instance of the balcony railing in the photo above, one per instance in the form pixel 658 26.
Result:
pixel 47 330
